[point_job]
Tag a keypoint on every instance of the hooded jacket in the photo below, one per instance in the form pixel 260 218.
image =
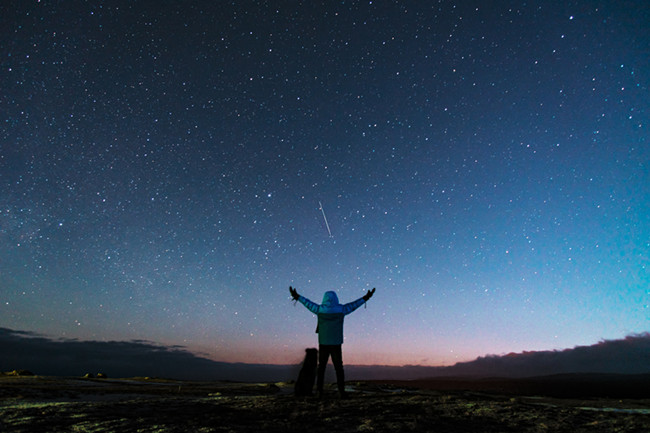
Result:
pixel 330 316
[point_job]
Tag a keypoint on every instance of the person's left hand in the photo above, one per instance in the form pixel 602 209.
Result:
pixel 294 293
pixel 369 294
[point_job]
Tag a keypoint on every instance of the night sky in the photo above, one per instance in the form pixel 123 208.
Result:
pixel 167 170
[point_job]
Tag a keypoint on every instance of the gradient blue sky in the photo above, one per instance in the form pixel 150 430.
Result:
pixel 484 167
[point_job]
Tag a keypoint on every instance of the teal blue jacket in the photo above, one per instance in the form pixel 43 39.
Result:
pixel 330 316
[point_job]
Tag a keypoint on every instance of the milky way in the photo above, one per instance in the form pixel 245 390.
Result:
pixel 168 169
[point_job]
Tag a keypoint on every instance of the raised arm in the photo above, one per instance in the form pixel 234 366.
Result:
pixel 348 308
pixel 311 306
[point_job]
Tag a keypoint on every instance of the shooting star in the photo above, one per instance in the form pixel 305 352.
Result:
pixel 325 218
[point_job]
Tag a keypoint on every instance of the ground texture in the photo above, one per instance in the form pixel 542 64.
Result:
pixel 34 404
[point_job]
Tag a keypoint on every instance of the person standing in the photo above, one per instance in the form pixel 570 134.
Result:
pixel 330 315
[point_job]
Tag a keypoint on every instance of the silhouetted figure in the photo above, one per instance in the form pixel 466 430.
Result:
pixel 330 332
pixel 307 376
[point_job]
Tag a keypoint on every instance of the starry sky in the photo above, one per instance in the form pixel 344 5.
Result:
pixel 168 169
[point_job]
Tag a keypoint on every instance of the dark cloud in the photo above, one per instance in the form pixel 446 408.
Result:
pixel 630 355
pixel 46 356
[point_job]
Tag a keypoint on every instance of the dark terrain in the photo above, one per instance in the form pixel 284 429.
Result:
pixel 556 404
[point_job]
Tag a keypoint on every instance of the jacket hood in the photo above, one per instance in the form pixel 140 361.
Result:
pixel 330 299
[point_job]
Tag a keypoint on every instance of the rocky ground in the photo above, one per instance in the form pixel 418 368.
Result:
pixel 34 403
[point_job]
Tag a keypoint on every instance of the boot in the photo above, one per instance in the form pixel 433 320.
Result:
pixel 340 382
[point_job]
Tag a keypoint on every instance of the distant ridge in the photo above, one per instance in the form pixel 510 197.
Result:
pixel 577 385
pixel 630 355
pixel 46 356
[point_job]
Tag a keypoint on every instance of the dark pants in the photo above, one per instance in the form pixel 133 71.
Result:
pixel 324 352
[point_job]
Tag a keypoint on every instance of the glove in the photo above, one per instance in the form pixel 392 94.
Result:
pixel 294 293
pixel 369 294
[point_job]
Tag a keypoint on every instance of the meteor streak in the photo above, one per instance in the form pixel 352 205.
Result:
pixel 325 218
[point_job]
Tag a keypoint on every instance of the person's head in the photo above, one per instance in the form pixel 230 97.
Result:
pixel 330 298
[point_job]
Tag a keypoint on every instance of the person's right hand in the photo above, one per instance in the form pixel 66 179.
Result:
pixel 369 294
pixel 294 293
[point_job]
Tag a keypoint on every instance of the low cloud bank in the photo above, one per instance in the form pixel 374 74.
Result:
pixel 46 356
pixel 630 355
